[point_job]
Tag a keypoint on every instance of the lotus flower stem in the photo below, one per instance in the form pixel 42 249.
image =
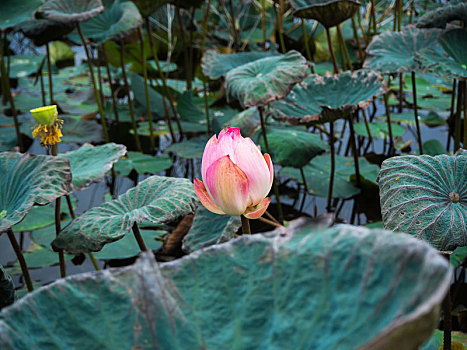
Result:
pixel 234 27
pixel 399 9
pixel 357 39
pixel 353 144
pixel 457 122
pixel 246 225
pixel 22 261
pixel 271 217
pixel 41 79
pixel 7 92
pixel 49 73
pixel 139 238
pixel 367 126
pixel 109 77
pixel 99 75
pixel 344 47
pixel 305 188
pixel 93 80
pixel 331 51
pixel 185 48
pixel 270 222
pixel 333 164
pixel 447 315
pixel 146 89
pixel 130 103
pixel 415 111
pixel 307 44
pixel 401 91
pixel 388 120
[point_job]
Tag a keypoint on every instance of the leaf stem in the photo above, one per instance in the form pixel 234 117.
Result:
pixel 333 164
pixel 139 238
pixel 447 315
pixel 331 51
pixel 415 111
pixel 109 77
pixel 22 261
pixel 49 71
pixel 245 225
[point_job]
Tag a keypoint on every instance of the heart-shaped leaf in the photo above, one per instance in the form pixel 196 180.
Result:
pixel 69 11
pixel 426 197
pixel 441 16
pixel 265 80
pixel 142 164
pixel 7 289
pixel 26 180
pixel 327 12
pixel 157 199
pixel 250 292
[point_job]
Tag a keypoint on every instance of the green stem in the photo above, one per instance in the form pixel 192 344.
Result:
pixel 447 315
pixel 49 71
pixel 278 11
pixel 41 79
pixel 333 164
pixel 139 238
pixel 185 49
pixel 109 77
pixel 263 23
pixel 234 26
pixel 373 15
pixel 354 150
pixel 205 86
pixel 331 51
pixel 464 90
pixel 307 45
pixel 245 225
pixel 415 111
pixel 401 91
pixel 344 47
pixel 305 185
pixel 99 75
pixel 357 39
pixel 457 122
pixel 388 120
pixel 22 261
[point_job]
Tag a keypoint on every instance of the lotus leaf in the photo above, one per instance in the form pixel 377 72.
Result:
pixel 76 130
pixel 155 99
pixel 142 164
pixel 394 52
pixel 7 289
pixel 12 13
pixel 24 65
pixel 157 199
pixel 379 129
pixel 7 138
pixel 458 341
pixel 69 11
pixel 148 7
pixel 327 12
pixel 267 79
pixel 215 65
pixel 209 229
pixel 188 110
pixel 26 180
pixel 248 121
pixel 426 197
pixel 190 149
pixel 37 256
pixel 441 16
pixel 320 99
pixel 45 235
pixel 43 31
pixel 90 164
pixel 258 299
pixel 433 148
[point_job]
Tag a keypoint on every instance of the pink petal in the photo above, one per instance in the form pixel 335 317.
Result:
pixel 205 199
pixel 267 157
pixel 228 186
pixel 258 210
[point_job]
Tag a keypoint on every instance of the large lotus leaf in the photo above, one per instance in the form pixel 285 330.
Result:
pixel 248 121
pixel 320 99
pixel 26 180
pixel 379 129
pixel 77 130
pixel 117 21
pixel 7 289
pixel 248 293
pixel 90 164
pixel 157 199
pixel 209 229
pixel 190 149
pixel 37 257
pixel 155 99
pixel 142 164
pixel 43 31
pixel 69 11
pixel 265 80
pixel 12 13
pixel 426 197
pixel 444 14
pixel 293 147
pixel 327 12
pixel 215 65
pixel 148 7
pixel 393 52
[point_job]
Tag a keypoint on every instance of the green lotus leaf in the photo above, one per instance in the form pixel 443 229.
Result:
pixel 7 138
pixel 257 299
pixel 318 173
pixel 157 200
pixel 26 180
pixel 433 148
pixel 76 130
pixel 155 99
pixel 209 229
pixel 148 7
pixel 43 31
pixel 45 235
pixel 267 79
pixel 7 289
pixel 24 65
pixel 327 12
pixel 292 147
pixel 69 11
pixel 458 341
pixel 426 197
pixel 189 149
pixel 248 121
pixel 319 99
pixel 430 119
pixel 215 65
pixel 394 52
pixel 379 129
pixel 37 257
pixel 117 21
pixel 90 164
pixel 188 110
pixel 142 164
pixel 441 16
pixel 12 13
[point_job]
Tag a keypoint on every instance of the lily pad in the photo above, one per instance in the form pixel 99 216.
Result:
pixel 77 130
pixel 262 81
pixel 37 257
pixel 12 13
pixel 426 197
pixel 209 229
pixel 69 11
pixel 24 65
pixel 43 31
pixel 157 199
pixel 379 129
pixel 327 12
pixel 258 299
pixel 45 235
pixel 319 99
pixel 189 149
pixel 216 65
pixel 7 289
pixel 90 164
pixel 26 180
pixel 394 52
pixel 441 16
pixel 142 164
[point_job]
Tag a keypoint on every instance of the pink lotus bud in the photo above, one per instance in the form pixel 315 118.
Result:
pixel 236 176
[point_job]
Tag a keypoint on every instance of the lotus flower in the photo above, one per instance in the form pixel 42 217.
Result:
pixel 236 176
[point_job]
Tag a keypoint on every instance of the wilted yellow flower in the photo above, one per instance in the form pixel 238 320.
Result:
pixel 49 126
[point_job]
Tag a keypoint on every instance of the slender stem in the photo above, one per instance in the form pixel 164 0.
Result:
pixel 109 77
pixel 447 316
pixel 146 89
pixel 130 102
pixel 373 15
pixel 22 261
pixel 331 51
pixel 367 126
pixel 49 71
pixel 305 189
pixel 305 39
pixel 394 27
pixel 278 12
pixel 185 49
pixel 206 106
pixel 269 222
pixel 451 113
pixel 94 85
pixel 399 10
pixel 388 120
pixel 41 79
pixel 139 238
pixel 354 150
pixel 357 39
pixel 457 122
pixel 401 91
pixel 415 111
pixel 333 164
pixel 464 91
pixel 271 217
pixel 344 47
pixel 245 225
pixel 263 23
pixel 205 86
pixel 99 75
pixel 234 26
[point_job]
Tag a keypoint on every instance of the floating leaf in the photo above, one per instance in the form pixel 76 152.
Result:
pixel 90 164
pixel 394 52
pixel 45 235
pixel 12 13
pixel 327 12
pixel 142 164
pixel 189 149
pixel 24 65
pixel 258 297
pixel 7 289
pixel 322 99
pixel 209 228
pixel 441 16
pixel 265 80
pixel 69 11
pixel 426 197
pixel 26 180
pixel 379 129
pixel 433 148
pixel 157 199
pixel 80 131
